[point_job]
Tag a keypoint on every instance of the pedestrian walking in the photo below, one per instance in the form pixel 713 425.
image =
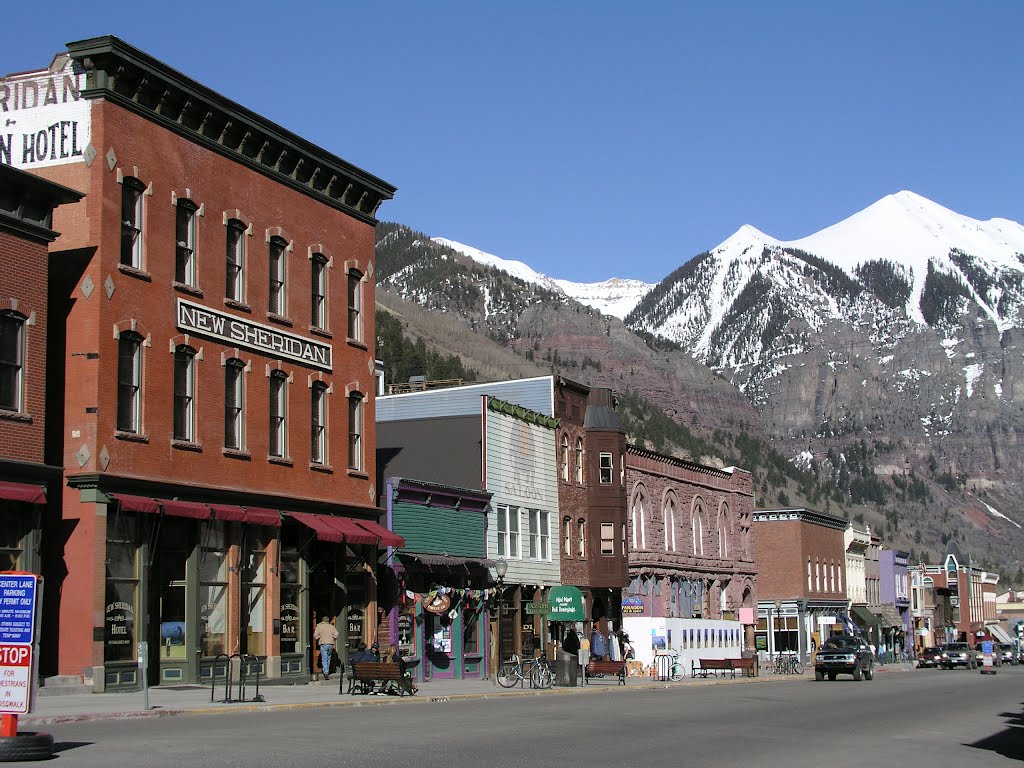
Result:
pixel 326 637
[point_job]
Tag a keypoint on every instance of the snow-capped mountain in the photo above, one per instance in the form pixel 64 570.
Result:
pixel 616 296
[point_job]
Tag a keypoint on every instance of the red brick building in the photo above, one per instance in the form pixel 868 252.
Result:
pixel 690 547
pixel 800 557
pixel 26 474
pixel 218 372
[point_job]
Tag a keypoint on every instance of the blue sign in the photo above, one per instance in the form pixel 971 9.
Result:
pixel 17 608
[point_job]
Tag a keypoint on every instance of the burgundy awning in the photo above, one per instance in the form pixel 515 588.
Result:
pixel 190 509
pixel 261 516
pixel 227 512
pixel 353 533
pixel 30 494
pixel 378 531
pixel 319 525
pixel 136 503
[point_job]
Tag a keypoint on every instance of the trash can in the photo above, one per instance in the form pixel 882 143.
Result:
pixel 566 668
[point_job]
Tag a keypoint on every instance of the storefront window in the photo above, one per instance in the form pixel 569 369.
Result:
pixel 213 591
pixel 471 630
pixel 407 634
pixel 254 587
pixel 122 590
pixel 171 579
pixel 289 602
pixel 10 545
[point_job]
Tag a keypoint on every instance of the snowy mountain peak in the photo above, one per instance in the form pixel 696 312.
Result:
pixel 615 296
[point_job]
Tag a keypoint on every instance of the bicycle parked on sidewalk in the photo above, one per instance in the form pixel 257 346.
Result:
pixel 514 671
pixel 787 664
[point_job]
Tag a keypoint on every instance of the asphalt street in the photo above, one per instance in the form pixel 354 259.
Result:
pixel 917 717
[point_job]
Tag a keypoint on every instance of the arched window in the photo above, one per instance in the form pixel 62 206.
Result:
pixel 355 305
pixel 184 393
pixel 235 261
pixel 581 537
pixel 579 460
pixel 567 537
pixel 132 192
pixel 723 534
pixel 670 526
pixel 129 382
pixel 639 534
pixel 318 289
pixel 697 528
pixel 185 242
pixel 565 457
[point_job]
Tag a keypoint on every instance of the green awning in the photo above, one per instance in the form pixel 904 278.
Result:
pixel 864 617
pixel 566 604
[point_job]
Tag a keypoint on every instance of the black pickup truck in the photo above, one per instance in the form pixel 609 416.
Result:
pixel 844 655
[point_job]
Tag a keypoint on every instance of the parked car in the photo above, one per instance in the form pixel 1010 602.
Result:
pixel 930 657
pixel 844 655
pixel 1007 653
pixel 959 655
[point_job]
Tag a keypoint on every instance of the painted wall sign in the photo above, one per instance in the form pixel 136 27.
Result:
pixel 246 333
pixel 43 118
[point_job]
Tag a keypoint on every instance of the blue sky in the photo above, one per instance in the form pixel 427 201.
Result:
pixel 594 139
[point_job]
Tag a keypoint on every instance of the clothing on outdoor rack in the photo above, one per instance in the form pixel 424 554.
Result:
pixel 598 646
pixel 614 651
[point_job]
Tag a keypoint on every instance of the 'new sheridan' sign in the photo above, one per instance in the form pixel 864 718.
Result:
pixel 245 333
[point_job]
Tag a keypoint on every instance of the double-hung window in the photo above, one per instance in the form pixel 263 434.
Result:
pixel 355 432
pixel 607 538
pixel 278 274
pixel 567 537
pixel 318 290
pixel 318 423
pixel 278 414
pixel 508 531
pixel 234 405
pixel 12 360
pixel 129 382
pixel 579 461
pixel 132 192
pixel 185 242
pixel 235 261
pixel 540 535
pixel 355 305
pixel 606 469
pixel 184 393
pixel 581 539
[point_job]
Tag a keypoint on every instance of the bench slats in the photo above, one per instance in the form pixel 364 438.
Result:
pixel 617 668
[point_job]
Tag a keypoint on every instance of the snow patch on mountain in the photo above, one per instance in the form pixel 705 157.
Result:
pixel 615 296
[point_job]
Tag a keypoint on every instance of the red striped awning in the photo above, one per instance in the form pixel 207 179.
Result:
pixel 131 503
pixel 378 531
pixel 319 525
pixel 261 516
pixel 190 509
pixel 228 513
pixel 26 492
pixel 353 533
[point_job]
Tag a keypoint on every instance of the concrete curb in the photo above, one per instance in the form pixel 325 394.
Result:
pixel 497 693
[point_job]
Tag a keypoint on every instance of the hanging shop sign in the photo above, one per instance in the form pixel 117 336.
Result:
pixel 437 604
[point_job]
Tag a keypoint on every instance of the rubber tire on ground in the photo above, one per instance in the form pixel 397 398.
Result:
pixel 832 675
pixel 26 746
pixel 857 674
pixel 508 675
pixel 869 673
pixel 819 676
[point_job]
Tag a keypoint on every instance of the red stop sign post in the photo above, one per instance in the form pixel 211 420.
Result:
pixel 19 622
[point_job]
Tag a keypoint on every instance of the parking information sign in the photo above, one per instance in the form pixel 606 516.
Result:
pixel 18 592
pixel 17 608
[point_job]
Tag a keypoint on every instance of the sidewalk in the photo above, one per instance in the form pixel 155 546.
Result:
pixel 193 700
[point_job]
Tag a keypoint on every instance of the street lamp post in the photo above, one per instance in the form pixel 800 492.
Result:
pixel 778 615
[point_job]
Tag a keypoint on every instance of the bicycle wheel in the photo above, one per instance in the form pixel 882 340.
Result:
pixel 508 674
pixel 676 672
pixel 797 668
pixel 542 676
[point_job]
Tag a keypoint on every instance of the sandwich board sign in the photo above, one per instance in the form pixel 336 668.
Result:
pixel 18 616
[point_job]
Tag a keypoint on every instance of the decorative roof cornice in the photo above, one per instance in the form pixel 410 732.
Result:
pixel 804 515
pixel 27 202
pixel 519 412
pixel 682 463
pixel 124 75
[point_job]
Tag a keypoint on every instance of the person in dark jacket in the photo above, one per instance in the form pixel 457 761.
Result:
pixel 571 641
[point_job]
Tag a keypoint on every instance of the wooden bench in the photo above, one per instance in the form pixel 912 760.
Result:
pixel 705 667
pixel 366 675
pixel 594 668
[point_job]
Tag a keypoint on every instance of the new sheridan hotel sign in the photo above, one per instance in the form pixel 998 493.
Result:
pixel 245 333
